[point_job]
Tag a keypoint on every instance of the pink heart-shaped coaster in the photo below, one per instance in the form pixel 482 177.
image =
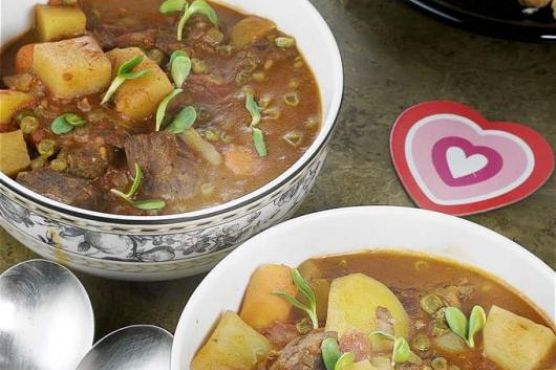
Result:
pixel 451 159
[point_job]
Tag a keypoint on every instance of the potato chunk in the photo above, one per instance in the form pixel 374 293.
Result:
pixel 138 99
pixel 59 22
pixel 232 345
pixel 250 30
pixel 516 343
pixel 12 101
pixel 260 307
pixel 353 303
pixel 72 68
pixel 13 153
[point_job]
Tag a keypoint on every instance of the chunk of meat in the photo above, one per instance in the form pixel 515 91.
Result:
pixel 145 39
pixel 61 187
pixel 170 170
pixel 280 334
pixel 356 343
pixel 90 161
pixel 303 353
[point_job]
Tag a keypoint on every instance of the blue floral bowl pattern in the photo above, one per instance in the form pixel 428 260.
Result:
pixel 135 252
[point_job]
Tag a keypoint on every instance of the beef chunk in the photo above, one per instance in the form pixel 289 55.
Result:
pixel 61 187
pixel 113 36
pixel 170 170
pixel 280 334
pixel 303 353
pixel 90 161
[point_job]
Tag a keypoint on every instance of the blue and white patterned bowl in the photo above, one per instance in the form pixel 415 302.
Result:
pixel 167 247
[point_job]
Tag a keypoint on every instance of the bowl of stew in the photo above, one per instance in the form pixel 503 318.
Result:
pixel 144 139
pixel 372 288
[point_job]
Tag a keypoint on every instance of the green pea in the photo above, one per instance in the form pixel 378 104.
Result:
pixel 46 148
pixel 156 55
pixel 439 363
pixel 431 303
pixel 421 342
pixel 198 66
pixel 29 124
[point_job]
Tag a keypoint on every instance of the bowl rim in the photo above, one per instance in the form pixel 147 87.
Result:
pixel 327 129
pixel 230 262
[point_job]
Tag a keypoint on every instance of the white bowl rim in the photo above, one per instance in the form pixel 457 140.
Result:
pixel 316 147
pixel 242 253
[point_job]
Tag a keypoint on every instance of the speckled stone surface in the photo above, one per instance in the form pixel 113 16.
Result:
pixel 394 57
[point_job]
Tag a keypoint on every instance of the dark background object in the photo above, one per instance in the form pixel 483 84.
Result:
pixel 500 18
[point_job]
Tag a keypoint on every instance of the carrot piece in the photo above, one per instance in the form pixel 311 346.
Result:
pixel 24 58
pixel 261 308
pixel 240 160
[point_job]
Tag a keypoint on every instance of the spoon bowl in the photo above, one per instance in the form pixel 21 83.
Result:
pixel 139 347
pixel 46 317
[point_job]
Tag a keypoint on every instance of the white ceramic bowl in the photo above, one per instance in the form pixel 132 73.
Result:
pixel 165 247
pixel 348 230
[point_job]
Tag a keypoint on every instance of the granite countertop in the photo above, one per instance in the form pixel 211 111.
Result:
pixel 394 57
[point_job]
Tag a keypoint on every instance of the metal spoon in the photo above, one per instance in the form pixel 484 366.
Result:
pixel 140 347
pixel 46 318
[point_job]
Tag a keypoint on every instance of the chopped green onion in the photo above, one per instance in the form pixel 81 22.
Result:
pixel 198 66
pixel 183 121
pixel 161 110
pixel 180 67
pixel 197 7
pixel 284 42
pixel 66 122
pixel 170 6
pixel 291 99
pixel 258 140
pixel 253 109
pixel 306 291
pixel 124 73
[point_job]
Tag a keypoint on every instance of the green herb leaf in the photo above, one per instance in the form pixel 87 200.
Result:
pixel 330 352
pixel 124 73
pixel 180 67
pixel 477 321
pixel 170 6
pixel 184 121
pixel 149 205
pixel 456 321
pixel 66 122
pixel 253 109
pixel 137 180
pixel 344 361
pixel 401 351
pixel 197 7
pixel 305 289
pixel 161 110
pixel 258 140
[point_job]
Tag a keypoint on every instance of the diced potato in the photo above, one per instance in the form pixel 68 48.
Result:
pixel 72 68
pixel 59 22
pixel 13 153
pixel 361 365
pixel 24 58
pixel 138 99
pixel 233 345
pixel 261 308
pixel 516 343
pixel 11 102
pixel 353 302
pixel 250 30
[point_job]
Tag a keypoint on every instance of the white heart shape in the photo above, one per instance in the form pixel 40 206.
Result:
pixel 461 165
